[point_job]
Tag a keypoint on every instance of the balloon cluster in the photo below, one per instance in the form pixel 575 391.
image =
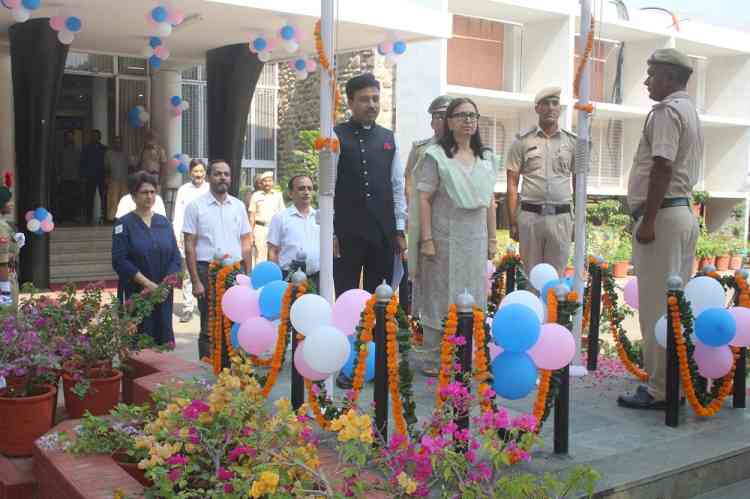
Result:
pixel 66 27
pixel 181 162
pixel 39 221
pixel 163 18
pixel 287 36
pixel 524 344
pixel 138 117
pixel 177 105
pixel 392 50
pixel 302 67
pixel 21 9
pixel 156 52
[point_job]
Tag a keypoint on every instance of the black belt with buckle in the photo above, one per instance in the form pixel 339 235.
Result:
pixel 258 222
pixel 667 203
pixel 546 209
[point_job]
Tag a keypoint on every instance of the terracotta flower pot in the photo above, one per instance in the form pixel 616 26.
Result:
pixel 708 260
pixel 24 419
pixel 620 269
pixel 124 462
pixel 735 263
pixel 722 263
pixel 102 396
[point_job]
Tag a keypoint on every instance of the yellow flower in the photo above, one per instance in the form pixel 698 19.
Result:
pixel 184 432
pixel 182 402
pixel 407 483
pixel 119 494
pixel 265 484
pixel 283 405
pixel 144 442
pixel 205 418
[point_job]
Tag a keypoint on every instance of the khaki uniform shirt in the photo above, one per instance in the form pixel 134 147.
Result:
pixel 152 157
pixel 265 206
pixel 416 154
pixel 8 247
pixel 672 131
pixel 546 165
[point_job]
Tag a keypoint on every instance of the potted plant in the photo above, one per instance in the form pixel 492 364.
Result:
pixel 699 201
pixel 738 251
pixel 705 249
pixel 28 392
pixel 722 249
pixel 621 257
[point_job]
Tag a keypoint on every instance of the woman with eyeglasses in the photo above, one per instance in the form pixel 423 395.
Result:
pixel 144 252
pixel 453 223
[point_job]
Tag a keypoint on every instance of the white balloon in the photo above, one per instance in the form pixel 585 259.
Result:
pixel 542 274
pixel 310 311
pixel 704 292
pixel 184 158
pixel 148 51
pixel 264 56
pixel 184 105
pixel 660 331
pixel 391 59
pixel 290 46
pixel 33 225
pixel 527 298
pixel 21 14
pixel 301 75
pixel 164 29
pixel 326 349
pixel 65 37
pixel 144 116
pixel 140 108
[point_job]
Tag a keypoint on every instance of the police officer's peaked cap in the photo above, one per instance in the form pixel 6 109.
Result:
pixel 439 104
pixel 671 56
pixel 546 93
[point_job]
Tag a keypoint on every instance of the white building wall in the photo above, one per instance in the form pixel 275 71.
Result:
pixel 547 54
pixel 727 81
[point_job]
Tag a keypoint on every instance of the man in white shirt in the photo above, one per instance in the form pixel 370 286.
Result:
pixel 185 195
pixel 295 230
pixel 215 226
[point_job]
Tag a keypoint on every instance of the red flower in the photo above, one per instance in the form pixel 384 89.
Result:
pixel 388 146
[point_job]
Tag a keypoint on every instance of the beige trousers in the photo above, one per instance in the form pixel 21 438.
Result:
pixel 116 190
pixel 260 238
pixel 544 239
pixel 671 253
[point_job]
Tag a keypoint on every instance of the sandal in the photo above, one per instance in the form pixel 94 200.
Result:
pixel 430 371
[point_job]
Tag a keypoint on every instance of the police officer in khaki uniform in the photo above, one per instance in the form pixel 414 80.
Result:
pixel 544 156
pixel 264 204
pixel 665 169
pixel 10 245
pixel 437 112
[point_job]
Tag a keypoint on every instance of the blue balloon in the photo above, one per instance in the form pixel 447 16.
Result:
pixel 260 44
pixel 399 47
pixel 159 14
pixel 154 42
pixel 31 4
pixel 515 328
pixel 73 24
pixel 265 272
pixel 300 65
pixel 287 32
pixel 176 100
pixel 155 62
pixel 270 299
pixel 514 375
pixel 348 368
pixel 715 327
pixel 40 214
pixel 235 331
pixel 182 168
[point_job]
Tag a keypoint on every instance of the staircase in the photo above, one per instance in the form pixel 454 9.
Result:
pixel 81 254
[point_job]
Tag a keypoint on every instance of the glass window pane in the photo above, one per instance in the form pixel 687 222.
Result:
pixel 90 63
pixel 135 66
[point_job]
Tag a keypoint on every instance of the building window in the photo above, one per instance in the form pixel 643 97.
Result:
pixel 100 64
pixel 498 130
pixel 194 120
pixel 604 78
pixel 606 153
pixel 696 86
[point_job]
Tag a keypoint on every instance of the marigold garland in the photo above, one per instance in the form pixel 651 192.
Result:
pixel 481 361
pixel 363 340
pixel 446 352
pixel 394 381
pixel 219 321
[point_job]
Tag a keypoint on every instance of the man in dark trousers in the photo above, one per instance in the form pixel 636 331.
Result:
pixel 92 175
pixel 369 201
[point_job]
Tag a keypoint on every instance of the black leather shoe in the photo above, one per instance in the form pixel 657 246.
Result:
pixel 641 399
pixel 344 382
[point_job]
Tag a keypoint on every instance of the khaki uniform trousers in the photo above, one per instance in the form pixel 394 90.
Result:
pixel 544 239
pixel 260 238
pixel 671 253
pixel 117 189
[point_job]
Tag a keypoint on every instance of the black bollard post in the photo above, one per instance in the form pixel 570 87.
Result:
pixel 510 274
pixel 739 399
pixel 595 316
pixel 384 293
pixel 672 416
pixel 298 382
pixel 561 431
pixel 465 305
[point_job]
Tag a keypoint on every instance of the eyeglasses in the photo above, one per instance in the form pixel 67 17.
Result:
pixel 466 116
pixel 439 115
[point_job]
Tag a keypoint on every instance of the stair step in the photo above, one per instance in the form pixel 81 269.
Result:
pixel 737 490
pixel 63 258
pixel 79 246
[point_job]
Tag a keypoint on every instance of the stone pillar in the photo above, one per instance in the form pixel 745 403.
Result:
pixel 7 146
pixel 100 101
pixel 166 83
pixel 38 64
pixel 232 73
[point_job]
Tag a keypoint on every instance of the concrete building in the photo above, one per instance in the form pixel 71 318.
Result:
pixel 503 51
pixel 47 88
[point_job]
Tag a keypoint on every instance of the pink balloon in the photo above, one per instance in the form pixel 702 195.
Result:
pixel 742 319
pixel 555 347
pixel 47 225
pixel 305 370
pixel 256 335
pixel 348 308
pixel 176 112
pixel 240 303
pixel 713 363
pixel 242 280
pixel 12 4
pixel 311 66
pixel 161 52
pixel 387 47
pixel 150 19
pixel 55 22
pixel 271 44
pixel 29 215
pixel 174 163
pixel 176 16
pixel 631 293
pixel 299 35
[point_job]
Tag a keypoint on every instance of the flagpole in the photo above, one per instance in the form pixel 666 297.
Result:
pixel 581 168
